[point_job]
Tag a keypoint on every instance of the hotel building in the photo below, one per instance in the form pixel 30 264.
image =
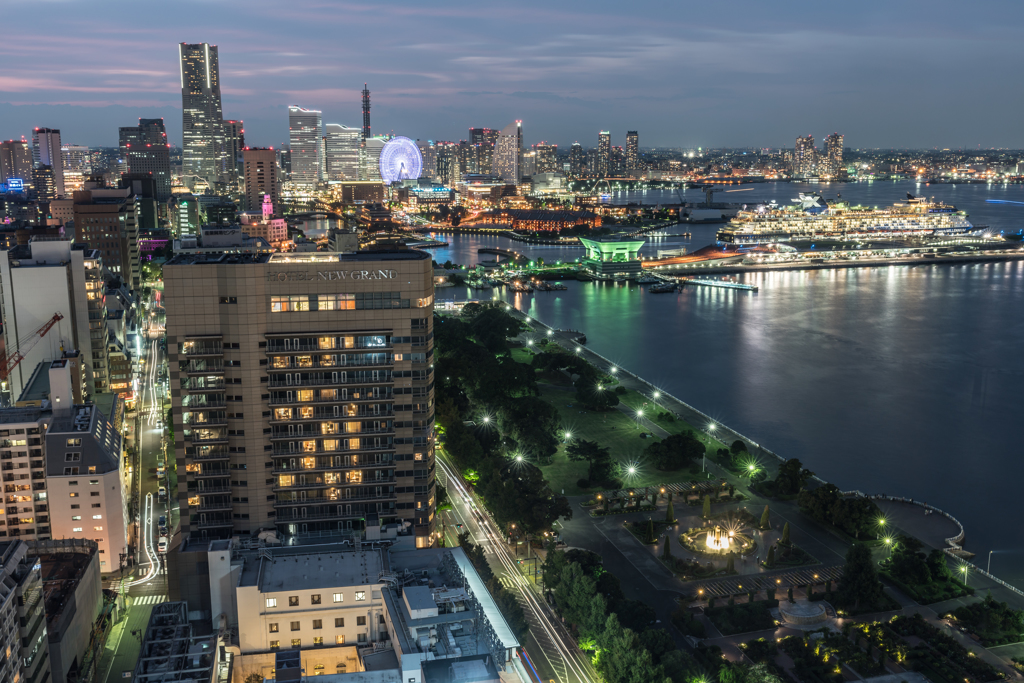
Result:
pixel 302 392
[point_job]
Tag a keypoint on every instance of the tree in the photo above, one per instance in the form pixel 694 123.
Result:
pixel 785 534
pixel 859 585
pixel 670 514
pixel 770 560
pixel 649 532
pixel 520 495
pixel 598 458
pixel 594 396
pixel 707 506
pixel 667 551
pixel 765 519
pixel 675 451
pixel 791 477
pixel 908 564
pixel 730 563
pixel 738 447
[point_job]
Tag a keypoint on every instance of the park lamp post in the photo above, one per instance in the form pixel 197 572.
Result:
pixel 568 436
pixel 964 569
pixel 639 417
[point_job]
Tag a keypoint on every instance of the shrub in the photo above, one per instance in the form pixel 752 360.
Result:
pixel 583 483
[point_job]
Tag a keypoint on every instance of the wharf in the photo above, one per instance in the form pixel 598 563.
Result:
pixel 724 284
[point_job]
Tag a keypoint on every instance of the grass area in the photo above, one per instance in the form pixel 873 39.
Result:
pixel 742 618
pixel 612 429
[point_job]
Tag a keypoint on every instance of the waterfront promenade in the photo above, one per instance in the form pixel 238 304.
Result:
pixel 934 530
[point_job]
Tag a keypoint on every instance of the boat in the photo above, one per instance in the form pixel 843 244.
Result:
pixel 812 217
pixel 663 288
pixel 647 280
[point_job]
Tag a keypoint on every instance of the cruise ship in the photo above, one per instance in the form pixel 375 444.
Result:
pixel 815 218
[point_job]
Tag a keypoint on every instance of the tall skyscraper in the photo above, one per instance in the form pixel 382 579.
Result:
pixel 547 157
pixel 833 153
pixel 369 158
pixel 804 156
pixel 508 153
pixel 447 163
pixel 604 152
pixel 429 153
pixel 234 143
pixel 484 139
pixel 145 149
pixel 341 152
pixel 482 135
pixel 366 113
pixel 46 152
pixel 77 158
pixel 323 445
pixel 577 159
pixel 260 177
pixel 15 161
pixel 305 138
pixel 201 113
pixel 632 150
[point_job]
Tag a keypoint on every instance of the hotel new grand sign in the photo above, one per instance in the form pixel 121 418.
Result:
pixel 329 275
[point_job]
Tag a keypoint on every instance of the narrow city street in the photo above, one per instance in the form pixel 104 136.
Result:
pixel 146 584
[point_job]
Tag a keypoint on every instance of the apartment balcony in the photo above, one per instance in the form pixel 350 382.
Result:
pixel 289 504
pixel 318 364
pixel 299 467
pixel 321 483
pixel 333 379
pixel 208 439
pixel 196 385
pixel 284 435
pixel 203 367
pixel 298 454
pixel 327 414
pixel 210 521
pixel 359 396
pixel 210 489
pixel 212 454
pixel 195 349
pixel 212 506
pixel 205 473
pixel 198 401
pixel 317 516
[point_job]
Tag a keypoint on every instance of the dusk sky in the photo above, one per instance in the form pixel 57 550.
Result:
pixel 735 73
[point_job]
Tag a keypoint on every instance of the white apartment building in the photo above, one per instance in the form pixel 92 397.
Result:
pixel 48 276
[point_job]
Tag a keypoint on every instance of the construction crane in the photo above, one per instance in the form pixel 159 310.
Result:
pixel 11 360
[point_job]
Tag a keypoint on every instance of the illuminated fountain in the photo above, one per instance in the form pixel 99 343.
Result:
pixel 718 540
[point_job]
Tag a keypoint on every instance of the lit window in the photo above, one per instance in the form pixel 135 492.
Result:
pixel 318 640
pixel 273 628
pixel 274 644
pixel 296 642
pixel 298 303
pixel 97 528
pixel 338 597
pixel 271 602
pixel 360 595
pixel 77 528
pixel 97 516
pixel 76 518
pixel 339 640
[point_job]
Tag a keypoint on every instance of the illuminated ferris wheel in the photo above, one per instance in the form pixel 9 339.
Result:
pixel 400 159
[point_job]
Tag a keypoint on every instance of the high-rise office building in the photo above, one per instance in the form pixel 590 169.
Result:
pixel 479 136
pixel 145 150
pixel 369 158
pixel 483 140
pixel 632 150
pixel 108 219
pixel 447 163
pixel 234 143
pixel 604 152
pixel 15 161
pixel 302 392
pixel 305 138
pixel 46 152
pixel 577 159
pixel 617 161
pixel 44 182
pixel 341 152
pixel 508 153
pixel 77 159
pixel 804 160
pixel 428 151
pixel 547 157
pixel 833 155
pixel 261 177
pixel 202 115
pixel 22 608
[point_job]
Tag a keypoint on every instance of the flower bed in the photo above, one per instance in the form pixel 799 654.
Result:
pixel 944 656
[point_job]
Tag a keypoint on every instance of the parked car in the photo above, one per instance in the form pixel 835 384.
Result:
pixel 162 522
pixel 164 531
pixel 162 492
pixel 161 546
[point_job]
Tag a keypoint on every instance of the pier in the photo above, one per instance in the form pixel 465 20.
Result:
pixel 724 284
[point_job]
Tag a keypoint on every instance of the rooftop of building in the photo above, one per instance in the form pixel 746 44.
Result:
pixel 183 259
pixel 63 565
pixel 9 416
pixel 37 389
pixel 297 568
pixel 473 669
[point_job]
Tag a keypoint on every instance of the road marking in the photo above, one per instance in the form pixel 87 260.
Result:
pixel 149 599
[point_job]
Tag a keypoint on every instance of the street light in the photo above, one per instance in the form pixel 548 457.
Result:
pixel 568 435
pixel 964 568
pixel 988 569
pixel 639 417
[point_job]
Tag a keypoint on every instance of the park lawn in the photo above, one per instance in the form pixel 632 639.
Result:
pixel 612 429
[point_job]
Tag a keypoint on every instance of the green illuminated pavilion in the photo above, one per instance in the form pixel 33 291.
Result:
pixel 611 256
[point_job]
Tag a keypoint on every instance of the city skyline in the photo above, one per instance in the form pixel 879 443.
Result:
pixel 567 72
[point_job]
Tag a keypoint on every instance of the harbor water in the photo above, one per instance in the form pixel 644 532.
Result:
pixel 903 380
